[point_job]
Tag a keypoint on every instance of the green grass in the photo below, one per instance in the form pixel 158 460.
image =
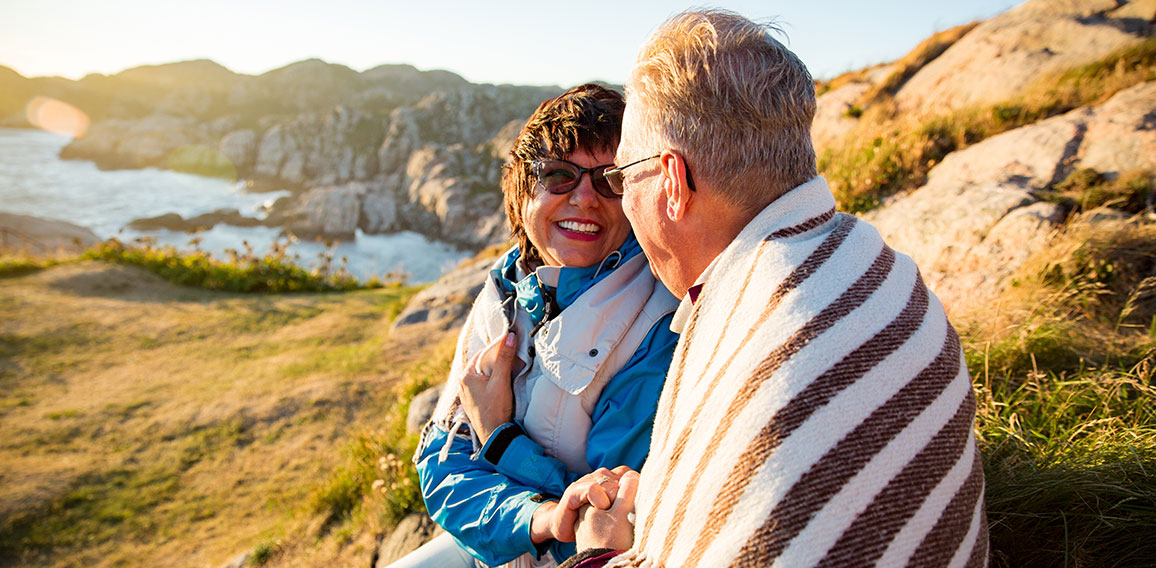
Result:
pixel 118 503
pixel 886 154
pixel 1086 189
pixel 376 484
pixel 1066 416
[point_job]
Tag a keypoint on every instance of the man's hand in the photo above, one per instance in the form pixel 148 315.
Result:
pixel 611 528
pixel 488 399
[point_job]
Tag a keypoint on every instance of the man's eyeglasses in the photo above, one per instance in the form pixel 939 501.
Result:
pixel 560 177
pixel 615 176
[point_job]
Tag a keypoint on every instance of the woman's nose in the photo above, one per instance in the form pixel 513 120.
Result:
pixel 584 195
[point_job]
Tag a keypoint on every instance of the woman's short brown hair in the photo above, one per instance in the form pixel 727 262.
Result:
pixel 586 117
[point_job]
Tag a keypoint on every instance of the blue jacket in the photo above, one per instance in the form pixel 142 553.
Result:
pixel 486 500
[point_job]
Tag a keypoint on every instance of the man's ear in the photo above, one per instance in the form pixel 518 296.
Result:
pixel 675 184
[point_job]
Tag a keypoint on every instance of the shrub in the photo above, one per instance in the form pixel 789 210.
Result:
pixel 275 272
pixel 20 265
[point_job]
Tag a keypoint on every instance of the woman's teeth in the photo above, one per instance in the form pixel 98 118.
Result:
pixel 588 228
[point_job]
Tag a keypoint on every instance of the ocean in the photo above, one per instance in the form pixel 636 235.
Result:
pixel 35 181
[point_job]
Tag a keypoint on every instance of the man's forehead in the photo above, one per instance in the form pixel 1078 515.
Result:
pixel 629 136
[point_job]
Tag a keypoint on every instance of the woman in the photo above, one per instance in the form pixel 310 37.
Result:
pixel 591 328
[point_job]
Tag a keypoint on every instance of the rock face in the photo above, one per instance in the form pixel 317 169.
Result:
pixel 392 148
pixel 977 218
pixel 1000 57
pixel 142 143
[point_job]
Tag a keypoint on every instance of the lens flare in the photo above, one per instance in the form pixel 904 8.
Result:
pixel 57 116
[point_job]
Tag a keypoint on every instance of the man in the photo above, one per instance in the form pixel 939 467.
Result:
pixel 818 411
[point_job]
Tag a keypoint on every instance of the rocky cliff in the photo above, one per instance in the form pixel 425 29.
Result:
pixel 387 149
pixel 985 208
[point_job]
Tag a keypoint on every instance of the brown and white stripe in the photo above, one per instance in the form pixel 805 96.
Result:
pixel 819 412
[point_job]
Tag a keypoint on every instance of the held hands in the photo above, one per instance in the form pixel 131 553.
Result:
pixel 486 392
pixel 613 527
pixel 601 491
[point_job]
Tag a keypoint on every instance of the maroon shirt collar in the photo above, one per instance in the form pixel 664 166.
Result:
pixel 693 292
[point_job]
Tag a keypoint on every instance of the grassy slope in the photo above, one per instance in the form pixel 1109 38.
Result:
pixel 149 424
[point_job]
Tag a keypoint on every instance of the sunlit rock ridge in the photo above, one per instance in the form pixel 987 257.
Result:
pixel 391 148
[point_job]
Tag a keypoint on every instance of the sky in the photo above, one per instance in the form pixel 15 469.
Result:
pixel 519 42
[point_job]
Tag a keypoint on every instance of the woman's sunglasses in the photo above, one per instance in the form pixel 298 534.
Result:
pixel 560 177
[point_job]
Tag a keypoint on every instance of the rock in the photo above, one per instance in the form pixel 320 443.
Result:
pixel 1030 156
pixel 380 206
pixel 238 561
pixel 446 302
pixel 40 236
pixel 1121 133
pixel 832 121
pixel 333 211
pixel 444 181
pixel 1143 10
pixel 948 226
pixel 139 143
pixel 174 222
pixel 272 152
pixel 240 146
pixel 412 532
pixel 167 222
pixel 421 408
pixel 1002 56
pixel 976 220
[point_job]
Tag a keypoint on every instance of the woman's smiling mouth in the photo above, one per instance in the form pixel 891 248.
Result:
pixel 580 227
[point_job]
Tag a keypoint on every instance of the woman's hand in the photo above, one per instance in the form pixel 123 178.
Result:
pixel 609 528
pixel 488 398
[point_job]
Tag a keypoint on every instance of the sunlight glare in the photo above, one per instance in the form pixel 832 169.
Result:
pixel 57 116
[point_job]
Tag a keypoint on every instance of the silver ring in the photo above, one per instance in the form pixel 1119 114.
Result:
pixel 602 479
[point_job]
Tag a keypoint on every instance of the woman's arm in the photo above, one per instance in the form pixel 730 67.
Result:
pixel 486 512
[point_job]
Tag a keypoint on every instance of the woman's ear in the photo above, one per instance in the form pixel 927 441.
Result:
pixel 676 184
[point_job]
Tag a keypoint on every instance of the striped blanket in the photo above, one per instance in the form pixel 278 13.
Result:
pixel 818 411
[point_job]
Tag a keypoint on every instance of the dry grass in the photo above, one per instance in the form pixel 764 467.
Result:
pixel 148 424
pixel 887 153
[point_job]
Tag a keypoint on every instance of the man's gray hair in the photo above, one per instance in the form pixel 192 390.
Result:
pixel 736 103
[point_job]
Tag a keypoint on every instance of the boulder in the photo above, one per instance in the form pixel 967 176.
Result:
pixel 412 532
pixel 421 408
pixel 1121 133
pixel 1143 10
pixel 37 235
pixel 948 225
pixel 333 211
pixel 445 303
pixel 997 60
pixel 380 207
